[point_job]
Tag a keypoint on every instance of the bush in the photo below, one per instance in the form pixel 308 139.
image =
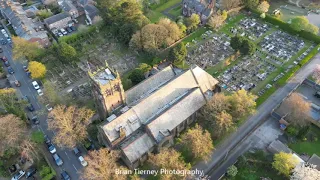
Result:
pixel 303 132
pixel 292 131
pixel 232 171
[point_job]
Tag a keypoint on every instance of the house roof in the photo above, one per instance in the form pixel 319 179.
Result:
pixel 57 17
pixel 91 10
pixel 277 146
pixel 315 160
pixel 67 6
pixel 167 95
pixel 137 147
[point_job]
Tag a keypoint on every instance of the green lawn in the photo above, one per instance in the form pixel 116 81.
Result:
pixel 176 11
pixel 195 35
pixel 154 16
pixel 164 4
pixel 307 146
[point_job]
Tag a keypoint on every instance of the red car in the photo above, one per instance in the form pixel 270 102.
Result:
pixel 4 59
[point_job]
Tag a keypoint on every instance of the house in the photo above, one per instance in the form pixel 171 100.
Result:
pixel 203 8
pixel 23 26
pixel 68 7
pixel 315 160
pixel 58 21
pixel 148 116
pixel 92 14
pixel 277 147
pixel 47 2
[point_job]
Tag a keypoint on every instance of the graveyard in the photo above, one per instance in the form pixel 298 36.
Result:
pixel 277 53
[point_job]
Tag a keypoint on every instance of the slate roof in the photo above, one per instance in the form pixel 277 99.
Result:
pixel 277 146
pixel 315 160
pixel 91 10
pixel 67 6
pixel 56 18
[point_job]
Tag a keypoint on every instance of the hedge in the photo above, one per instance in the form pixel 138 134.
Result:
pixel 76 36
pixel 286 27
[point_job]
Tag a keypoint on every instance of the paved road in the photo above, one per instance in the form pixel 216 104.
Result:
pixel 224 150
pixel 71 163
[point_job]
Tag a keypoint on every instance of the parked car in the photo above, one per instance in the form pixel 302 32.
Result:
pixel 76 151
pixel 35 85
pixel 317 94
pixel 65 176
pixel 35 120
pixel 47 140
pixel 49 108
pixel 4 59
pixel 64 32
pixel 10 70
pixel 17 83
pixel 52 148
pixel 82 161
pixel 18 175
pixel 30 172
pixel 6 63
pixel 59 34
pixel 1 50
pixel 3 31
pixel 40 93
pixel 75 20
pixel 30 107
pixel 25 98
pixel 3 41
pixel 57 159
pixel 73 28
pixel 25 68
pixel 69 30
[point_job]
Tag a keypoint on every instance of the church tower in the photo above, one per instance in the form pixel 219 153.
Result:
pixel 107 90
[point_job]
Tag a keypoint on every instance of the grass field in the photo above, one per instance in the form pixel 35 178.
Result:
pixel 176 11
pixel 164 4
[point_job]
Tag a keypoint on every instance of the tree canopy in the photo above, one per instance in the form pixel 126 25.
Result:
pixel 242 103
pixel 37 69
pixel 284 162
pixel 136 76
pixel 11 103
pixel 263 6
pixel 199 142
pixel 230 4
pixel 178 53
pixel 244 45
pixel 305 171
pixel 70 124
pixel 302 23
pixel 218 19
pixel 192 22
pixel 66 51
pixel 252 4
pixel 23 48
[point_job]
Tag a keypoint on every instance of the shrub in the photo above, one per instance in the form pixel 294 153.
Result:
pixel 303 132
pixel 232 171
pixel 292 131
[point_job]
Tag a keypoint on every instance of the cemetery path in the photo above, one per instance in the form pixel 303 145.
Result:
pixel 228 151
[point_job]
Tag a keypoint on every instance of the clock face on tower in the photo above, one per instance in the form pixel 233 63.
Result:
pixel 116 87
pixel 108 92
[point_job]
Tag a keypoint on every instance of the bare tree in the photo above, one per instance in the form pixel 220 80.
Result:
pixel 297 110
pixel 217 104
pixel 316 74
pixel 102 165
pixel 223 123
pixel 12 132
pixel 305 171
pixel 168 159
pixel 230 4
pixel 29 150
pixel 218 19
pixel 242 104
pixel 70 123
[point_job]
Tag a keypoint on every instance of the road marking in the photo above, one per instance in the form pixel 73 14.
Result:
pixel 41 129
pixel 38 105
pixel 33 97
pixel 67 155
pixel 29 89
pixel 75 167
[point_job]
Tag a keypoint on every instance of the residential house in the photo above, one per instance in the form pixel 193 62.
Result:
pixel 203 8
pixel 68 7
pixel 58 21
pixel 23 26
pixel 92 14
pixel 47 2
pixel 148 116
pixel 315 160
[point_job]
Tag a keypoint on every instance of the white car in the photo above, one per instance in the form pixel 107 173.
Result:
pixel 3 31
pixel 35 85
pixel 64 32
pixel 82 161
pixel 49 108
pixel 18 175
pixel 40 92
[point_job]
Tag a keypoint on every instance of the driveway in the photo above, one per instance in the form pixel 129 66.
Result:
pixel 71 163
pixel 229 150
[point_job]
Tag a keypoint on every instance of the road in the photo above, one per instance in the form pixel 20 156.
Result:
pixel 71 163
pixel 226 151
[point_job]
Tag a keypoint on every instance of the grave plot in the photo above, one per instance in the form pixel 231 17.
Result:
pixel 211 52
pixel 280 47
pixel 251 28
pixel 246 74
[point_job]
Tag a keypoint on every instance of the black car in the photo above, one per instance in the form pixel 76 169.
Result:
pixel 6 63
pixel 1 50
pixel 30 172
pixel 65 176
pixel 25 98
pixel 35 120
pixel 76 151
pixel 3 41
pixel 73 28
pixel 30 107
pixel 10 70
pixel 47 140
pixel 69 30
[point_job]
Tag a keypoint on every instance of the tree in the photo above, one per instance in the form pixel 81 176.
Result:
pixel 12 132
pixel 23 48
pixel 103 165
pixel 43 14
pixel 37 69
pixel 70 124
pixel 192 22
pixel 232 171
pixel 67 51
pixel 297 110
pixel 219 103
pixel 136 76
pixel 168 159
pixel 29 149
pixel 230 4
pixel 284 163
pixel 11 103
pixel 178 53
pixel 248 47
pixel 252 4
pixel 144 67
pixel 218 19
pixel 302 23
pixel 236 42
pixel 174 32
pixel 51 95
pixel 316 74
pixel 242 103
pixel 223 122
pixel 199 141
pixel 305 171
pixel 263 6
